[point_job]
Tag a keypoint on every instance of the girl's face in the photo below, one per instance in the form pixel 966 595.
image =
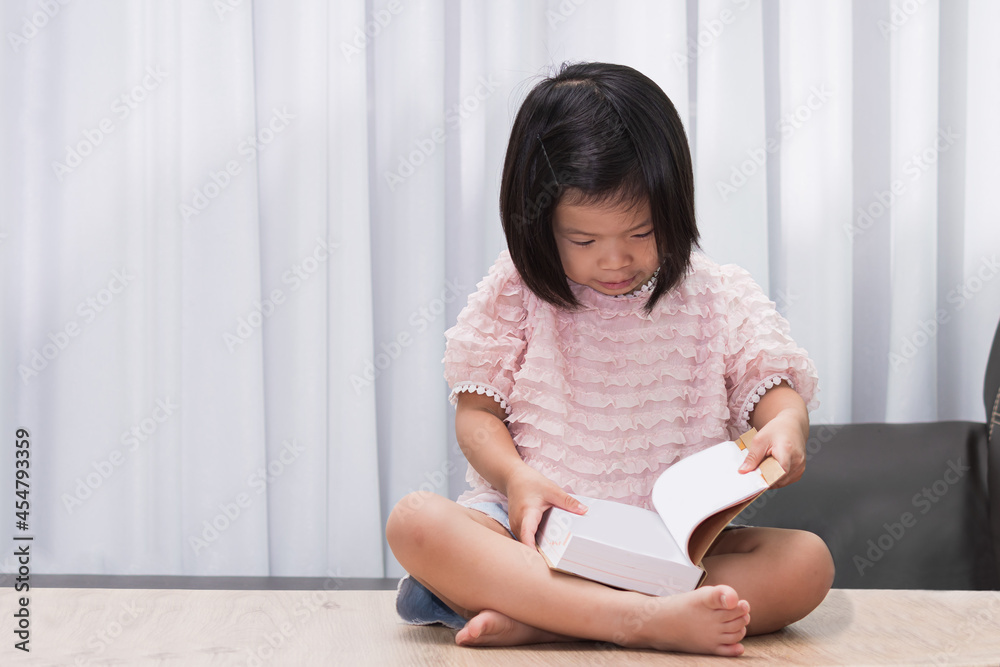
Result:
pixel 608 247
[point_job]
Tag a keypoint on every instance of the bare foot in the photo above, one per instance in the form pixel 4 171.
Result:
pixel 709 620
pixel 491 628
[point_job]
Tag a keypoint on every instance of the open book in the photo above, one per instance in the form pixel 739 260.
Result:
pixel 658 553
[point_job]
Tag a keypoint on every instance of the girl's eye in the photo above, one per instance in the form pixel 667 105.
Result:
pixel 581 243
pixel 642 236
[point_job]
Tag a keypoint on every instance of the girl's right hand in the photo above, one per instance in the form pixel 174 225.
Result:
pixel 529 494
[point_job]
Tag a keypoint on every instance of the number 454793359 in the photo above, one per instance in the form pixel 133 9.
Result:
pixel 22 464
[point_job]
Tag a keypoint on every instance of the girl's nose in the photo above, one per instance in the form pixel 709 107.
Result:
pixel 615 257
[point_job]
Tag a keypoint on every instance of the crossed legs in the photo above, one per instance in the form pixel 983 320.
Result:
pixel 511 597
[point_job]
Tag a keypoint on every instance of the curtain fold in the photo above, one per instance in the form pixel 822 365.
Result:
pixel 352 500
pixel 219 150
pixel 972 299
pixel 732 148
pixel 917 141
pixel 233 234
pixel 815 126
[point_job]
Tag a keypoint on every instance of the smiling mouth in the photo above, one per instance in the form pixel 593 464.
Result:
pixel 617 286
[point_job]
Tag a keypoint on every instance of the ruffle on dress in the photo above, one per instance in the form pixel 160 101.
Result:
pixel 602 399
pixel 486 345
pixel 760 349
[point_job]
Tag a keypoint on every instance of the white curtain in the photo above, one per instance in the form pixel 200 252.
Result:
pixel 232 234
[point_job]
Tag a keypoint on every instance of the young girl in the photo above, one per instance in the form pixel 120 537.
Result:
pixel 601 349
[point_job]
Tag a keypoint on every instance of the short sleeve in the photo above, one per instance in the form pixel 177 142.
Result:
pixel 760 352
pixel 486 346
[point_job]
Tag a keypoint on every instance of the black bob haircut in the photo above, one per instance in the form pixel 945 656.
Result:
pixel 603 134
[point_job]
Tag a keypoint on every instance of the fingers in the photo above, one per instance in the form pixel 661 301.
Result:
pixel 790 477
pixel 569 503
pixel 529 526
pixel 529 494
pixel 757 452
pixel 791 458
pixel 783 447
pixel 531 516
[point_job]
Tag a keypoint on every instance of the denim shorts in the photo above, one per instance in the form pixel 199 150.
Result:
pixel 418 606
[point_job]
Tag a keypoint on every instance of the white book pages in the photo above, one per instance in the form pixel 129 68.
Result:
pixel 683 498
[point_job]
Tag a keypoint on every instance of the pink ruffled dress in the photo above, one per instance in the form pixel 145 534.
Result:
pixel 603 399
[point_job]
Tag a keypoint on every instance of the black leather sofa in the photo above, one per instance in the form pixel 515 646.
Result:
pixel 902 505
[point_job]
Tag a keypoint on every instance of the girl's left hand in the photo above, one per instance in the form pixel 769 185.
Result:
pixel 782 425
pixel 781 438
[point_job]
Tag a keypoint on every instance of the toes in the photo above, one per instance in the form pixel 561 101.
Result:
pixel 730 650
pixel 469 634
pixel 727 610
pixel 735 625
pixel 724 597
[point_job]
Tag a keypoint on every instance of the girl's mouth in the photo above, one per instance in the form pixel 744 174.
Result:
pixel 611 287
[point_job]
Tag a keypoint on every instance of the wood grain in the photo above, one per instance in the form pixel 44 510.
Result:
pixel 338 627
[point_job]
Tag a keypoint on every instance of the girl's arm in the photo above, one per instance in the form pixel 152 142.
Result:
pixel 782 424
pixel 486 443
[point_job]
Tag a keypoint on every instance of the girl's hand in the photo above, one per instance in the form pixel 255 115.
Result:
pixel 529 494
pixel 781 438
pixel 782 425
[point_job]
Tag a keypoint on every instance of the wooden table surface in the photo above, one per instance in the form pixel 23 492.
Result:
pixel 343 627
